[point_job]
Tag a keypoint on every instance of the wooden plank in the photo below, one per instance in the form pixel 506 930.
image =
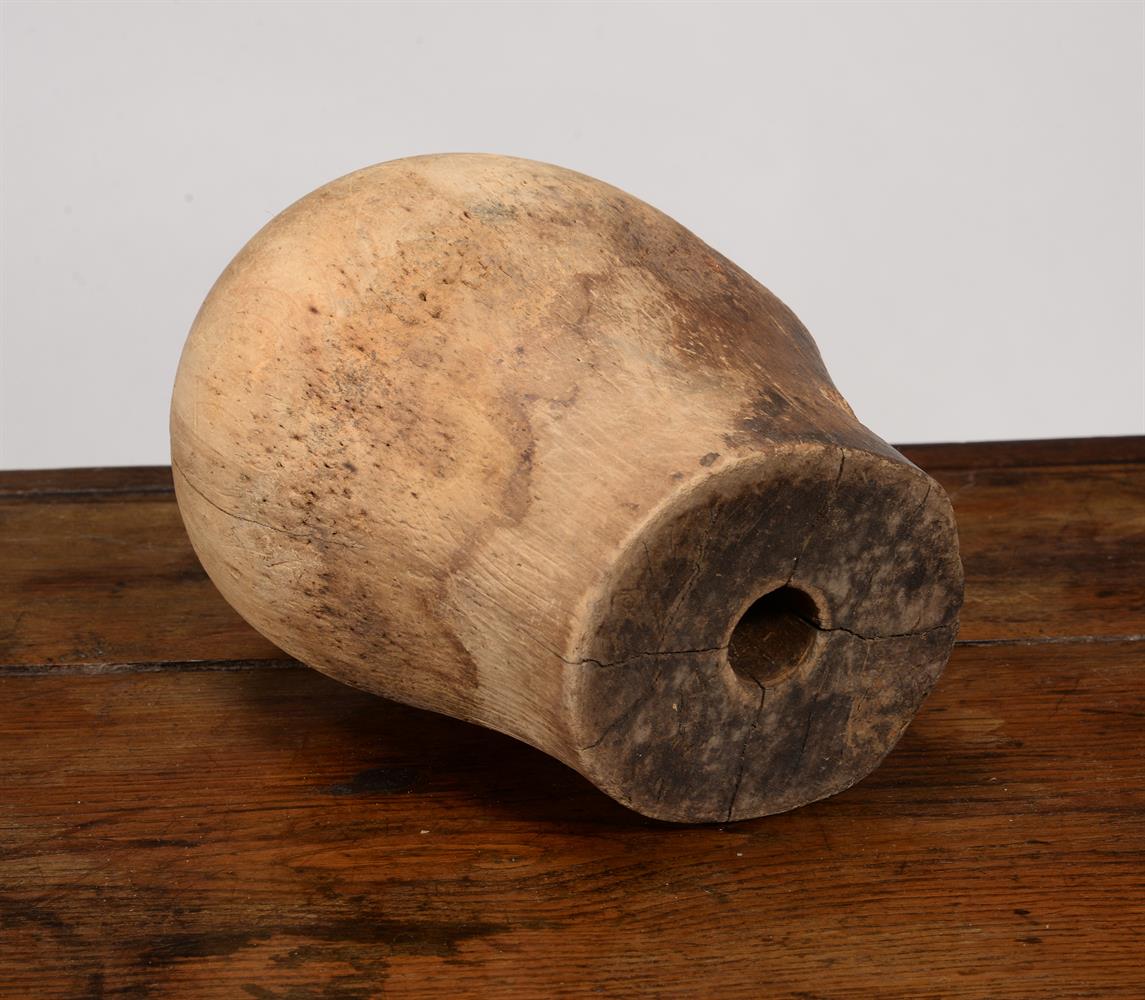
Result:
pixel 103 581
pixel 1051 552
pixel 1024 454
pixel 272 834
pixel 101 575
pixel 46 485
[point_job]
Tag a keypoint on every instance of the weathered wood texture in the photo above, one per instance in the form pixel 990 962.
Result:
pixel 496 439
pixel 178 819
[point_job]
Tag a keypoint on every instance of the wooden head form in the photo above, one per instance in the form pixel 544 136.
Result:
pixel 499 440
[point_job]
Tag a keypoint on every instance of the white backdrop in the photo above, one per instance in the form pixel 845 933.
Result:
pixel 951 197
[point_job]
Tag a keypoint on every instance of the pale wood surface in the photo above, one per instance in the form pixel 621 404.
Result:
pixel 494 438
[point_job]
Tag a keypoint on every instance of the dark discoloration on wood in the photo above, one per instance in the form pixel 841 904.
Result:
pixel 822 736
pixel 380 781
pixel 440 940
pixel 689 736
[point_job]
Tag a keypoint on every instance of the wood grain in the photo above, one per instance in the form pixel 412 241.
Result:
pixel 108 578
pixel 1051 552
pixel 46 485
pixel 181 818
pixel 1026 454
pixel 289 837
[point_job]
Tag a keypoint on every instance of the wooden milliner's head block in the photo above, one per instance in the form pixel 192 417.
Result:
pixel 496 439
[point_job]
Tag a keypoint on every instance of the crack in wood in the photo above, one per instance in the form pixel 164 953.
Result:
pixel 742 766
pixel 239 517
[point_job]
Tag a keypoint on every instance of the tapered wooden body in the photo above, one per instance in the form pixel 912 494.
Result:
pixel 498 440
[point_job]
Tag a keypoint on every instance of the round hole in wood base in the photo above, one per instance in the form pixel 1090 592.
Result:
pixel 763 642
pixel 774 636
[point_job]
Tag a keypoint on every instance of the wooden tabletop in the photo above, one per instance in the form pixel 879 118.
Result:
pixel 185 812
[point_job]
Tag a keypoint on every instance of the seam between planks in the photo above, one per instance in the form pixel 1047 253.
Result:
pixel 81 494
pixel 153 667
pixel 232 666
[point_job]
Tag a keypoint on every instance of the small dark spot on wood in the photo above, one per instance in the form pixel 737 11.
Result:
pixel 395 937
pixel 1030 940
pixel 172 947
pixel 709 458
pixel 154 842
pixel 379 781
pixel 314 309
pixel 14 912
